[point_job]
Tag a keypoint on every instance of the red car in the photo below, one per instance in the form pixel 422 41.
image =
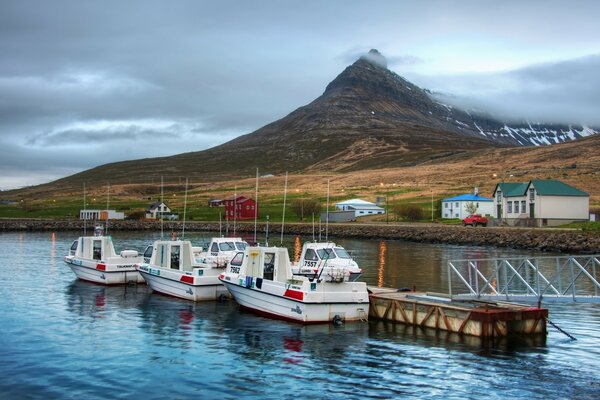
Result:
pixel 474 220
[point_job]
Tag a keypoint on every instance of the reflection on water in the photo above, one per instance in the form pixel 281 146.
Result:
pixel 381 268
pixel 65 338
pixel 297 248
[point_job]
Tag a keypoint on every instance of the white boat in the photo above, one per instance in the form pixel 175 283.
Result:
pixel 176 268
pixel 329 260
pixel 260 279
pixel 93 258
pixel 220 250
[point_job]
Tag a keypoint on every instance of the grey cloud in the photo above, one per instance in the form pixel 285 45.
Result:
pixel 560 92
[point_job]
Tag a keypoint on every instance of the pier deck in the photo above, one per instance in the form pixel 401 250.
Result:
pixel 469 317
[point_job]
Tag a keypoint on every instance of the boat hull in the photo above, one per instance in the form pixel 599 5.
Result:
pixel 104 274
pixel 280 307
pixel 170 283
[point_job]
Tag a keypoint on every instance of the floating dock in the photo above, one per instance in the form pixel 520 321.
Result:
pixel 479 318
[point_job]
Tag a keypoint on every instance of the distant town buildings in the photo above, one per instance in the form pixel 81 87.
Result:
pixel 360 207
pixel 100 215
pixel 540 202
pixel 158 210
pixel 465 204
pixel 240 208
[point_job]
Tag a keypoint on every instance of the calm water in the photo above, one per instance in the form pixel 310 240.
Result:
pixel 63 338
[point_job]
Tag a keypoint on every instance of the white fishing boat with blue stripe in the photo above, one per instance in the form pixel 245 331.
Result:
pixel 93 258
pixel 179 269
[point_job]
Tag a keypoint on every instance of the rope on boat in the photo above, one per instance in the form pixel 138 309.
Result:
pixel 558 328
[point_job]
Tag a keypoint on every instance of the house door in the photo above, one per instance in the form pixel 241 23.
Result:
pixel 499 213
pixel 531 210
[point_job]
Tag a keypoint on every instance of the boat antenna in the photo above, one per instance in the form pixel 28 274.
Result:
pixel 267 233
pixel 255 205
pixel 327 214
pixel 234 207
pixel 320 229
pixel 313 226
pixel 325 259
pixel 107 205
pixel 162 202
pixel 184 208
pixel 84 213
pixel 220 227
pixel 284 198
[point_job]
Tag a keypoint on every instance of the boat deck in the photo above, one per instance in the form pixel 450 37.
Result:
pixel 470 317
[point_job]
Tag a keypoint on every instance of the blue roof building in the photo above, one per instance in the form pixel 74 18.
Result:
pixel 457 207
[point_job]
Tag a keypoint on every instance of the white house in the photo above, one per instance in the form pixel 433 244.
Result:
pixel 156 209
pixel 456 207
pixel 102 215
pixel 360 207
pixel 540 202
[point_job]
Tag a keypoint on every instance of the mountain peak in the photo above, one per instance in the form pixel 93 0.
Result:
pixel 375 57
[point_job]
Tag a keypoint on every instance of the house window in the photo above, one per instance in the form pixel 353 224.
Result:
pixel 499 196
pixel 456 204
pixel 531 194
pixel 509 204
pixel 445 205
pixel 523 207
pixel 456 215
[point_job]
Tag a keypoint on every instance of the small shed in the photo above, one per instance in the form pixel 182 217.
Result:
pixel 338 216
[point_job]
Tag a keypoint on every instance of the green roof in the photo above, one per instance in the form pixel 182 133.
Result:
pixel 544 187
pixel 512 189
pixel 549 187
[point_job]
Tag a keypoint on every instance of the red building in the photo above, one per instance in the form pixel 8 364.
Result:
pixel 245 208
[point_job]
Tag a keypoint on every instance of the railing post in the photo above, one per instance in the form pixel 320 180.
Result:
pixel 594 275
pixel 449 279
pixel 572 276
pixel 559 275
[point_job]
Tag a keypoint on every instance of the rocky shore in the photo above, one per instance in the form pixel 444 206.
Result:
pixel 551 240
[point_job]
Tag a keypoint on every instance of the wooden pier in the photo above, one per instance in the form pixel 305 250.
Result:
pixel 469 317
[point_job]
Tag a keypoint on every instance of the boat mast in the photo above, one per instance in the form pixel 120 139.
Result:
pixel 255 205
pixel 162 213
pixel 184 208
pixel 84 213
pixel 234 207
pixel 284 198
pixel 107 205
pixel 327 213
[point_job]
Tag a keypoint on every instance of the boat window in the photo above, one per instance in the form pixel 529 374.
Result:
pixel 342 253
pixel 148 254
pixel 240 245
pixel 97 250
pixel 214 248
pixel 175 257
pixel 227 246
pixel 326 254
pixel 74 245
pixel 269 266
pixel 310 255
pixel 237 259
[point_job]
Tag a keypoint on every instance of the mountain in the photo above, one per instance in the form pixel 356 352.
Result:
pixel 368 117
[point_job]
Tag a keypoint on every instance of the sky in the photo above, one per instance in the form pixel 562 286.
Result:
pixel 86 83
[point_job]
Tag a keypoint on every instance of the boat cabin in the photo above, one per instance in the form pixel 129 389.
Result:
pixel 264 263
pixel 174 254
pixel 98 248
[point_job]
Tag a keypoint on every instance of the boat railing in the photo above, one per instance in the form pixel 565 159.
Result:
pixel 574 278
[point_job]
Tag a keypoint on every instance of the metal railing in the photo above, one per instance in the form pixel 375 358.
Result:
pixel 567 278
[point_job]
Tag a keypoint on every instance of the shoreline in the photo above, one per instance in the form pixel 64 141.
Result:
pixel 550 240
